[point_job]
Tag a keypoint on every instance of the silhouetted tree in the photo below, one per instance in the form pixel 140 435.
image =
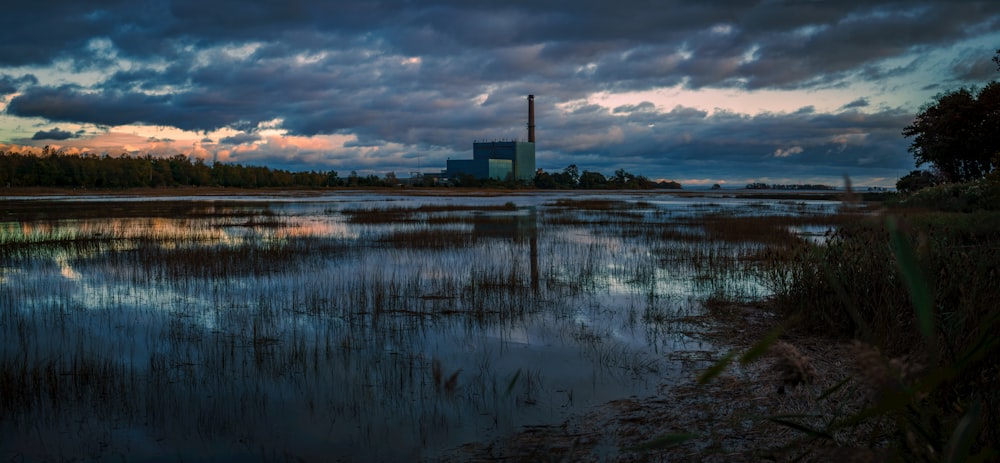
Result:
pixel 959 133
pixel 571 176
pixel 332 179
pixel 544 180
pixel 592 180
pixel 52 168
pixel 917 180
pixel 668 185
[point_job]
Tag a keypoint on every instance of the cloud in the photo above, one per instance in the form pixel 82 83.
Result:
pixel 10 84
pixel 975 65
pixel 644 106
pixel 858 103
pixel 425 79
pixel 240 139
pixel 70 103
pixel 786 152
pixel 54 134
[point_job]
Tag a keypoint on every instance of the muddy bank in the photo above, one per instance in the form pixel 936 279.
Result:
pixel 730 418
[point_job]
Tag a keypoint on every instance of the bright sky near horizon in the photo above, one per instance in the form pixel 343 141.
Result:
pixel 699 92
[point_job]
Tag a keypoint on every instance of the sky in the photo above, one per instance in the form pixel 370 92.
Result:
pixel 699 92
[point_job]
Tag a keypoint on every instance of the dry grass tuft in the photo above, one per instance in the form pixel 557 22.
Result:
pixel 884 375
pixel 792 367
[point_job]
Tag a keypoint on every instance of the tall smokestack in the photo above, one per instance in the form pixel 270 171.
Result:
pixel 531 118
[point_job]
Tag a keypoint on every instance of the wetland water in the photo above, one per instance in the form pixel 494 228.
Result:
pixel 348 326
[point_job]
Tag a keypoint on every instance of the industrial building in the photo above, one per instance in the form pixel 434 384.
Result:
pixel 500 159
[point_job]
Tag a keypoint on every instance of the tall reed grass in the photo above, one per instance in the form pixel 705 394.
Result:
pixel 918 291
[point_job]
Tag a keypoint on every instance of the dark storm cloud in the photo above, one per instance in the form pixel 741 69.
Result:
pixel 859 103
pixel 976 66
pixel 70 104
pixel 10 84
pixel 644 106
pixel 693 140
pixel 54 134
pixel 240 139
pixel 39 31
pixel 797 40
pixel 440 73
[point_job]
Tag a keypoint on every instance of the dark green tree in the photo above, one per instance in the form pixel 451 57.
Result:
pixel 917 180
pixel 592 180
pixel 959 133
pixel 570 176
pixel 332 179
pixel 544 180
pixel 668 185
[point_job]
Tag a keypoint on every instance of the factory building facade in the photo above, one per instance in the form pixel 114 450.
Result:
pixel 497 160
pixel 500 159
pixel 498 169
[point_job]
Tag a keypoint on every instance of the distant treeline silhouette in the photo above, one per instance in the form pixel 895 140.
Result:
pixel 54 168
pixel 572 178
pixel 806 186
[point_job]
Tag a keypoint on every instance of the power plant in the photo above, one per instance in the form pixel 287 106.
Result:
pixel 500 159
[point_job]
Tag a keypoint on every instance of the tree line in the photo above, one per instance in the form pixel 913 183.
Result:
pixel 572 178
pixel 794 186
pixel 958 135
pixel 53 168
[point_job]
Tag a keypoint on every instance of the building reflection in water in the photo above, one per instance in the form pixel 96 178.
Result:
pixel 518 228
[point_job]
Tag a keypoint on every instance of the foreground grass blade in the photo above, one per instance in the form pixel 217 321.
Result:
pixel 834 388
pixel 964 435
pixel 761 347
pixel 716 369
pixel 513 381
pixel 916 284
pixel 800 427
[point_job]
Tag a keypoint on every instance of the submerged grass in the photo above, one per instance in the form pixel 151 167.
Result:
pixel 41 210
pixel 230 334
pixel 428 238
pixel 599 204
pixel 396 215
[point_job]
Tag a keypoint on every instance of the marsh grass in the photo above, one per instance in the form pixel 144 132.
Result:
pixel 428 238
pixel 396 215
pixel 42 210
pixel 604 205
pixel 772 230
pixel 199 330
pixel 599 212
pixel 854 284
pixel 224 331
pixel 918 294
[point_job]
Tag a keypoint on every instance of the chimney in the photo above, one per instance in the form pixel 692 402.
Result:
pixel 531 118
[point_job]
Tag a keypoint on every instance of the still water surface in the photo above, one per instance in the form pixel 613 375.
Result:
pixel 352 326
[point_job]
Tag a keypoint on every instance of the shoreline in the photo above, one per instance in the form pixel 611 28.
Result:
pixel 35 192
pixel 723 420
